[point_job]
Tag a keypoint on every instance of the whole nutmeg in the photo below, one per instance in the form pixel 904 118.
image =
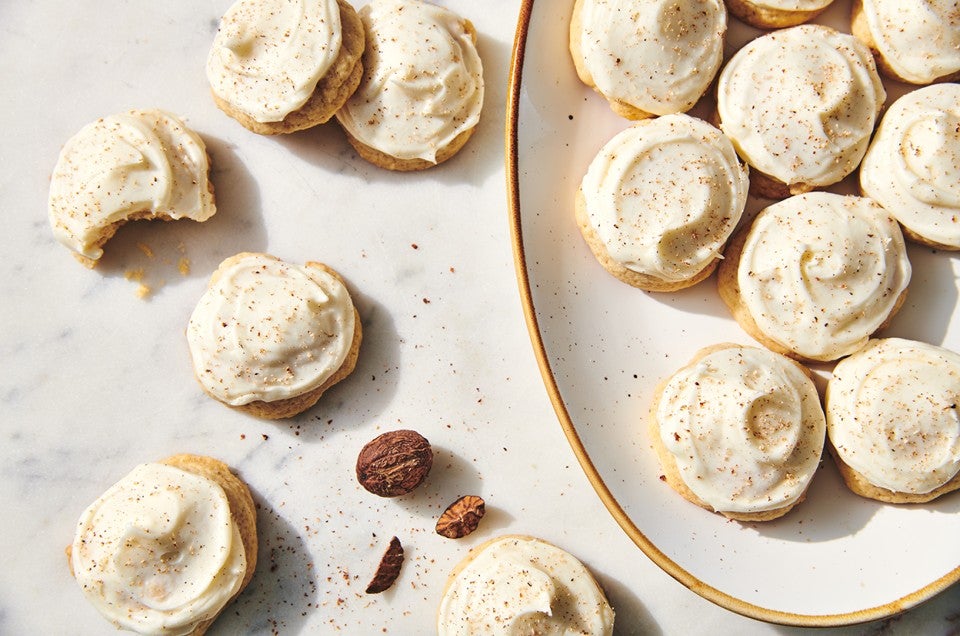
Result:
pixel 394 463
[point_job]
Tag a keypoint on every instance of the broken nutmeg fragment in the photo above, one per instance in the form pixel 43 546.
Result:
pixel 389 568
pixel 461 517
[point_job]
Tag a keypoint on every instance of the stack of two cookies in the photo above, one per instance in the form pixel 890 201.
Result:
pixel 402 77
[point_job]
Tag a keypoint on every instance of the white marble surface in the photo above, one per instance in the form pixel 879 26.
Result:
pixel 96 379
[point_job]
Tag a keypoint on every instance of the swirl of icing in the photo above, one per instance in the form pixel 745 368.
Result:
pixel 658 56
pixel 919 40
pixel 142 164
pixel 665 194
pixel 892 414
pixel 422 84
pixel 522 585
pixel 912 167
pixel 745 428
pixel 159 552
pixel 268 55
pixel 820 272
pixel 800 104
pixel 268 330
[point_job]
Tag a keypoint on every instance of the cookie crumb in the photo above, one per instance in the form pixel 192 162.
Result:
pixel 143 247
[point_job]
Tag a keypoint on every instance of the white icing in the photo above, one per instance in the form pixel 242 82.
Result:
pixel 422 83
pixel 912 167
pixel 159 551
pixel 745 428
pixel 268 55
pixel 800 104
pixel 138 164
pixel 892 414
pixel 820 272
pixel 919 40
pixel 791 5
pixel 658 56
pixel 518 585
pixel 267 330
pixel 665 194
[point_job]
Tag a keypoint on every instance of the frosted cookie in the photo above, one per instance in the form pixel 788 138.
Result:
pixel 915 41
pixel 269 338
pixel 739 431
pixel 892 420
pixel 815 275
pixel 912 167
pixel 278 66
pixel 422 89
pixel 517 584
pixel 648 58
pixel 660 200
pixel 776 14
pixel 166 548
pixel 800 105
pixel 142 164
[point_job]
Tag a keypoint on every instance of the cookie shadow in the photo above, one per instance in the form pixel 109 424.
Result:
pixel 326 147
pixel 156 254
pixel 931 300
pixel 283 589
pixel 484 154
pixel 364 394
pixel 701 299
pixel 631 616
pixel 829 512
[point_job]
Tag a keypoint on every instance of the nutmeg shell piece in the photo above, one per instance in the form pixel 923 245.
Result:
pixel 389 568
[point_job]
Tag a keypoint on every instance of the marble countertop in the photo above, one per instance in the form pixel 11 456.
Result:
pixel 97 379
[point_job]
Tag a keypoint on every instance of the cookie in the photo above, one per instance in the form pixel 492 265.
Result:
pixel 269 338
pixel 912 167
pixel 422 90
pixel 660 200
pixel 168 546
pixel 141 164
pixel 648 58
pixel 815 275
pixel 800 105
pixel 892 420
pixel 739 431
pixel 524 585
pixel 913 42
pixel 776 14
pixel 279 67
